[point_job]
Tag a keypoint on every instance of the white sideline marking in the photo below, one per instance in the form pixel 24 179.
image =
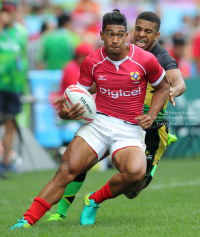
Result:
pixel 153 187
pixel 174 185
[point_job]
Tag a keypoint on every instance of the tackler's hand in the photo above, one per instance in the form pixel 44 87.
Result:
pixel 172 96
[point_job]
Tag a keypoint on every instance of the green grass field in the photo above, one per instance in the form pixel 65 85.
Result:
pixel 170 206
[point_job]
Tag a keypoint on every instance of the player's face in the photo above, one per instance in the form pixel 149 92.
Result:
pixel 114 38
pixel 145 34
pixel 5 18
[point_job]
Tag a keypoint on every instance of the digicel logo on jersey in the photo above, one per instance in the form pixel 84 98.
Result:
pixel 116 94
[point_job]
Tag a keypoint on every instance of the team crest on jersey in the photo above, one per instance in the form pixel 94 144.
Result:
pixel 135 76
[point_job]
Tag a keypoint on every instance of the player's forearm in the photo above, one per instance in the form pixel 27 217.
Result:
pixel 179 87
pixel 176 82
pixel 159 98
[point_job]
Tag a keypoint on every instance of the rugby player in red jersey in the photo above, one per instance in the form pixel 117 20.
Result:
pixel 157 136
pixel 119 122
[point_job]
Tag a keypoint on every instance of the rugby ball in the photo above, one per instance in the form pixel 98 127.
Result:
pixel 75 94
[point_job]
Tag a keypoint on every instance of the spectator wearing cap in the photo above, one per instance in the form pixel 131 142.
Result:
pixel 71 70
pixel 57 47
pixel 13 69
pixel 178 53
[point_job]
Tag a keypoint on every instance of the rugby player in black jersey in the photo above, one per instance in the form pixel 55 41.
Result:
pixel 146 36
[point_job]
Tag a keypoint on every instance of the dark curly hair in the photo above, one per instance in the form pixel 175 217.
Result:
pixel 150 16
pixel 114 18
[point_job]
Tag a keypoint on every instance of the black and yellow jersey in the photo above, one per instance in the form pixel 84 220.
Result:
pixel 168 63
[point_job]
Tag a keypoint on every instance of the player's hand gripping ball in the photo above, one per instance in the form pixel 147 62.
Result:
pixel 77 94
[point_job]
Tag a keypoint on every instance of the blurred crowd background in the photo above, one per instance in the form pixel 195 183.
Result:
pixel 180 28
pixel 56 35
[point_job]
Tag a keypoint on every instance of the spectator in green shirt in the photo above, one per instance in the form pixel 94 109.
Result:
pixel 13 68
pixel 57 47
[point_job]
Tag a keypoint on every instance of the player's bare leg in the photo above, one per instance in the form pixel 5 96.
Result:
pixel 77 159
pixel 131 163
pixel 135 190
pixel 69 196
pixel 10 128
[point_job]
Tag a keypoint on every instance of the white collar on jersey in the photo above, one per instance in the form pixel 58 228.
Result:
pixel 117 63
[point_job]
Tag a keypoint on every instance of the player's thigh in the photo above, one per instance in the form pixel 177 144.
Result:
pixel 127 148
pixel 79 156
pixel 92 134
pixel 163 137
pixel 86 149
pixel 131 160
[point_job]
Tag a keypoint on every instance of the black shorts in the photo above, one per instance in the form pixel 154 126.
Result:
pixel 10 103
pixel 156 140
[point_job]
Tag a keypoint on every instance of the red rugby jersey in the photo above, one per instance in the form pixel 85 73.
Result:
pixel 121 85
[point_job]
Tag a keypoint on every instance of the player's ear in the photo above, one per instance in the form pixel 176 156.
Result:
pixel 126 34
pixel 157 35
pixel 101 36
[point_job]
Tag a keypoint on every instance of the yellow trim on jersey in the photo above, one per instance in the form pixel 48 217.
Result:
pixel 149 95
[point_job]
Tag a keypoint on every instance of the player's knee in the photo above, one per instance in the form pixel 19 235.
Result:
pixel 141 174
pixel 137 174
pixel 68 162
pixel 69 166
pixel 65 174
pixel 10 125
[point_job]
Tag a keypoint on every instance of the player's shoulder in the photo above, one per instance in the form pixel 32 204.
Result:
pixel 94 58
pixel 165 60
pixel 158 50
pixel 141 55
